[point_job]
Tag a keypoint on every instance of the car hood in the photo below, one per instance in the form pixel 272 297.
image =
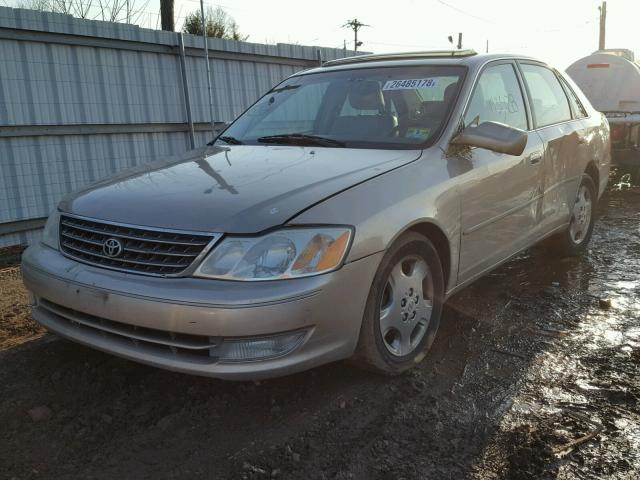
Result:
pixel 236 189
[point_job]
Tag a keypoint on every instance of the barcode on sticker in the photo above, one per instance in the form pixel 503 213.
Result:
pixel 410 83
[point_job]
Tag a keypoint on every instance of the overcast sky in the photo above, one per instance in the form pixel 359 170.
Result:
pixel 557 31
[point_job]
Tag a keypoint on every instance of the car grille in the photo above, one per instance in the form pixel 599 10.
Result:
pixel 188 347
pixel 145 251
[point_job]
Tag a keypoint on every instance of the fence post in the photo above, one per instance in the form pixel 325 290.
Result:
pixel 185 86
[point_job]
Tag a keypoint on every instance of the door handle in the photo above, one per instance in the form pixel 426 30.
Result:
pixel 535 158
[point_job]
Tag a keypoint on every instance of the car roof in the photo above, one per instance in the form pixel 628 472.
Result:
pixel 467 58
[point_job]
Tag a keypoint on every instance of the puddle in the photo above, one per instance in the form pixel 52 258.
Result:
pixel 586 382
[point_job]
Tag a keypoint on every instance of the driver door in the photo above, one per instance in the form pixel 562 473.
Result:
pixel 500 200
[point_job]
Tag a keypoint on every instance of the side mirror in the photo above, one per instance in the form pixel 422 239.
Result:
pixel 493 136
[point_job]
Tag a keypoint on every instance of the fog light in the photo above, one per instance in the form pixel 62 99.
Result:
pixel 259 348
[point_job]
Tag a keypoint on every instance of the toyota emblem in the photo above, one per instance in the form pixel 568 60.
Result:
pixel 112 247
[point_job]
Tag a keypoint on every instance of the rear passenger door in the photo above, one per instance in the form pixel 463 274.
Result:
pixel 563 141
pixel 499 200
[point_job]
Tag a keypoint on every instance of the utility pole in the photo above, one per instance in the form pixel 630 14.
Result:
pixel 166 15
pixel 603 25
pixel 206 59
pixel 355 25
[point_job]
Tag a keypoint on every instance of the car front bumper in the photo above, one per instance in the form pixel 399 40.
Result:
pixel 181 324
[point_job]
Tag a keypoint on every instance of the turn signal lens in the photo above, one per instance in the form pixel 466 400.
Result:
pixel 51 232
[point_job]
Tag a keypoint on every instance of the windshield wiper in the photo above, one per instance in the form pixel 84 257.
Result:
pixel 229 140
pixel 302 139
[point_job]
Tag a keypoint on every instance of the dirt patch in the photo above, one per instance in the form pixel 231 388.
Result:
pixel 535 373
pixel 10 256
pixel 16 325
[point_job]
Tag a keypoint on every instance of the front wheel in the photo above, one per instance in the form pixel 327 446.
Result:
pixel 404 307
pixel 574 240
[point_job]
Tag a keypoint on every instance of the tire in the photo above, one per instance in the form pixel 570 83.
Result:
pixel 396 333
pixel 574 240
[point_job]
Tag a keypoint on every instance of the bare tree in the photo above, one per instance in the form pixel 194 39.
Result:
pixel 113 10
pixel 81 8
pixel 122 11
pixel 40 5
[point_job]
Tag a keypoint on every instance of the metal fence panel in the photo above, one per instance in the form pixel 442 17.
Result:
pixel 83 99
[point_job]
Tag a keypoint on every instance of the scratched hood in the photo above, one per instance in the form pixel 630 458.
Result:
pixel 237 189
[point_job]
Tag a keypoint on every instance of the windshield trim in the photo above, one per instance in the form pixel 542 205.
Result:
pixel 359 144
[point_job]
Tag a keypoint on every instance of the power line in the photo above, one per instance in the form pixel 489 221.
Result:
pixel 459 10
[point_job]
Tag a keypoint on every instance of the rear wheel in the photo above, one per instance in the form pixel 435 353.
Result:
pixel 574 240
pixel 403 308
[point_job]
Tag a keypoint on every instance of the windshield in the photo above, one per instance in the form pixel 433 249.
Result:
pixel 391 107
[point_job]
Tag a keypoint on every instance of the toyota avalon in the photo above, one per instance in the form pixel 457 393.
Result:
pixel 330 221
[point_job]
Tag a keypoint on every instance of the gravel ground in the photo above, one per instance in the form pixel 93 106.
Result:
pixel 535 373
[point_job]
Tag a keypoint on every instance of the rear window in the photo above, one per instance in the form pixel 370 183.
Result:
pixel 549 102
pixel 576 105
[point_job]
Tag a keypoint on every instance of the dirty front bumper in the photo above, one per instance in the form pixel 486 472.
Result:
pixel 187 324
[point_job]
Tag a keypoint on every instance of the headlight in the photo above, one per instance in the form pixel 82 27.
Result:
pixel 286 253
pixel 51 234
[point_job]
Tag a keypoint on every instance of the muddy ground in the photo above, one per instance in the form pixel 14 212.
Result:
pixel 535 373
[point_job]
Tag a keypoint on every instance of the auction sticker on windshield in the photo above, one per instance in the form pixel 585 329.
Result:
pixel 410 83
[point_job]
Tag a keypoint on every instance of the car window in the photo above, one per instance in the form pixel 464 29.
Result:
pixel 297 114
pixel 549 102
pixel 576 105
pixel 389 107
pixel 497 97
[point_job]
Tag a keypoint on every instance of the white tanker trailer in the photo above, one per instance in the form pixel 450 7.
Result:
pixel 611 81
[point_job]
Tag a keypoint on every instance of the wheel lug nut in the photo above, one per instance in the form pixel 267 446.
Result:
pixel 403 302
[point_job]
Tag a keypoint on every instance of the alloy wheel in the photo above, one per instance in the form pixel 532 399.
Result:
pixel 406 306
pixel 581 215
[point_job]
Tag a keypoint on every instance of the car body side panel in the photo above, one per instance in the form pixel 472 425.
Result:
pixel 596 132
pixel 382 208
pixel 499 206
pixel 563 167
